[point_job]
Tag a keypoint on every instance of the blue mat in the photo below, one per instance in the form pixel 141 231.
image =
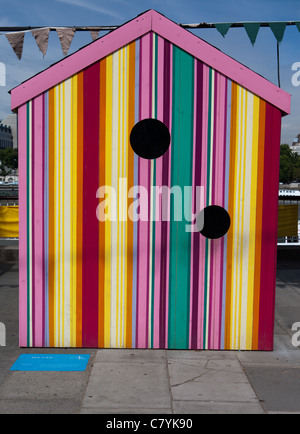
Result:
pixel 51 362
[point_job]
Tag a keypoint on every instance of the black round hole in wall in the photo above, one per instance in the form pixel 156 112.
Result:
pixel 150 138
pixel 213 222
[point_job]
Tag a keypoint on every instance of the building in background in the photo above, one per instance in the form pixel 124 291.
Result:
pixel 6 138
pixel 11 122
pixel 9 140
pixel 296 145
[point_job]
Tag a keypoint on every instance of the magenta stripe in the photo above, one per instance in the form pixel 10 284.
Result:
pixel 22 134
pixel 90 223
pixel 163 338
pixel 32 253
pixel 198 113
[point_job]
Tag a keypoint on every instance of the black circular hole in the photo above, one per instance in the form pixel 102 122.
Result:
pixel 213 222
pixel 150 138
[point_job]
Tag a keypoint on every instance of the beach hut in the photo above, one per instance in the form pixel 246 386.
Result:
pixel 149 171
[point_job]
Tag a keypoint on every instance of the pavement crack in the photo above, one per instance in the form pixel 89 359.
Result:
pixel 190 380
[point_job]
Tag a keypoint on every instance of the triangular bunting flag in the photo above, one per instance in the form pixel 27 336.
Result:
pixel 66 36
pixel 95 34
pixel 41 37
pixel 223 28
pixel 298 25
pixel 278 29
pixel 252 31
pixel 16 41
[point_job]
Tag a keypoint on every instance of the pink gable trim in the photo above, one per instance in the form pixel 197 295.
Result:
pixel 81 59
pixel 221 62
pixel 139 26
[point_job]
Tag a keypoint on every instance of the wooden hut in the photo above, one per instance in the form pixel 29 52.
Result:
pixel 107 262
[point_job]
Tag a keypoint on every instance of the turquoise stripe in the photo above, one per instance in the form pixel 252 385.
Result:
pixel 181 175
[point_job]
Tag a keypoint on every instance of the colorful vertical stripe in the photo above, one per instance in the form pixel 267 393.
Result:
pixel 91 276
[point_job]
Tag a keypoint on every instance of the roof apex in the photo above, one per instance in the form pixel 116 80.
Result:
pixel 144 23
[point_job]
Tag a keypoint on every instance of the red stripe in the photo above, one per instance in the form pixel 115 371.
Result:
pixel 90 232
pixel 269 228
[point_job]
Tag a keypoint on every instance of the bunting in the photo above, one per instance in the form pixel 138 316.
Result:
pixel 252 30
pixel 66 34
pixel 278 30
pixel 16 40
pixel 94 34
pixel 223 28
pixel 41 37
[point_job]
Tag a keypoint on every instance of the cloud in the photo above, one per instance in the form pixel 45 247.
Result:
pixel 92 7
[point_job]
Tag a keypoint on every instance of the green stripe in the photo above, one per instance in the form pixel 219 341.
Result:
pixel 181 175
pixel 28 226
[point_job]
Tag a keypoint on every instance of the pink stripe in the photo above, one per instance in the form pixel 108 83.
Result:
pixel 22 134
pixel 38 221
pixel 193 200
pixel 202 247
pixel 144 177
pixel 168 226
pixel 159 161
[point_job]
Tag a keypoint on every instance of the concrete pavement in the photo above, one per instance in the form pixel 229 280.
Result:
pixel 159 381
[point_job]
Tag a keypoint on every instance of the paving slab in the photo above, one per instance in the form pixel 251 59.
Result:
pixel 122 384
pixel 130 356
pixel 196 407
pixel 276 387
pixel 284 354
pixel 126 410
pixel 40 406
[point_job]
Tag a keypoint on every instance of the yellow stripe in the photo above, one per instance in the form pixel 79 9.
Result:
pixel 73 208
pixel 62 180
pixel 246 216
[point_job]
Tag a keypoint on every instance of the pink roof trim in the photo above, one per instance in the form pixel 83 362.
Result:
pixel 139 26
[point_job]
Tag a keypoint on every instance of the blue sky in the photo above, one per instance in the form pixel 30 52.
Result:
pixel 260 58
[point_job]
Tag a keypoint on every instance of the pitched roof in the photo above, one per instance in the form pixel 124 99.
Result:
pixel 134 29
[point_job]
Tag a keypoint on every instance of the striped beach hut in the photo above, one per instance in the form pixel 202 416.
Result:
pixel 149 170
